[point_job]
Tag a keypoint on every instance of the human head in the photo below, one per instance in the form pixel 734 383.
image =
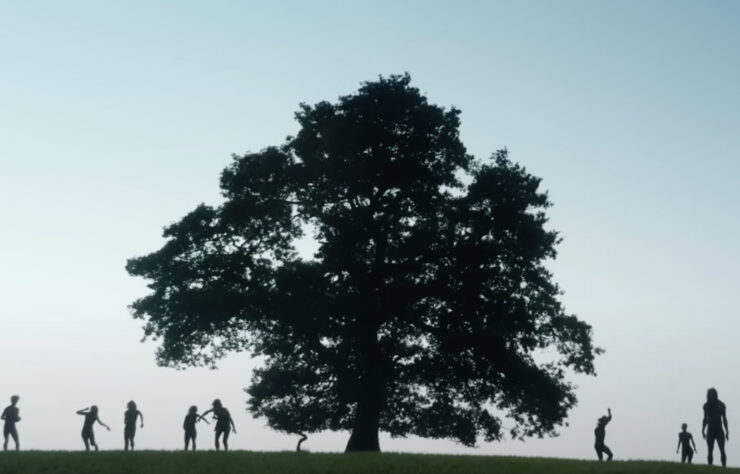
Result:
pixel 94 409
pixel 14 399
pixel 217 403
pixel 684 426
pixel 603 420
pixel 131 405
pixel 193 409
pixel 712 395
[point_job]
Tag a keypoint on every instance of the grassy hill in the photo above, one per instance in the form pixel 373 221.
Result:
pixel 159 462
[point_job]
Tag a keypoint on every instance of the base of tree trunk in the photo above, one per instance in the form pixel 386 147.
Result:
pixel 363 441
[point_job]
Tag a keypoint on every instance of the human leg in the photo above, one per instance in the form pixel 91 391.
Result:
pixel 710 448
pixel 608 452
pixel 599 453
pixel 14 435
pixel 721 446
pixel 226 439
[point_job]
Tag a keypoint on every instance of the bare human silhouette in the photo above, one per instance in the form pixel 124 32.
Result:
pixel 715 418
pixel 189 426
pixel 88 435
pixel 600 433
pixel 10 415
pixel 224 423
pixel 687 445
pixel 129 424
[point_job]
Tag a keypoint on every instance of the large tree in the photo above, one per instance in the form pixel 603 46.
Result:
pixel 427 309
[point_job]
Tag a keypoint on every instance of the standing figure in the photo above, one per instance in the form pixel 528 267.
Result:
pixel 91 416
pixel 189 426
pixel 685 442
pixel 600 433
pixel 711 426
pixel 224 423
pixel 10 415
pixel 129 424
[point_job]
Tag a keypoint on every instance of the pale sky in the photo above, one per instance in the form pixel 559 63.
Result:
pixel 116 119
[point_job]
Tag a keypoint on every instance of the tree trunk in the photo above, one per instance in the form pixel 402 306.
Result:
pixel 364 435
pixel 370 391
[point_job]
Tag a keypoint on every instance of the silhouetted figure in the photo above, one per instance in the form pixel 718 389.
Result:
pixel 88 435
pixel 711 427
pixel 10 415
pixel 685 442
pixel 129 424
pixel 189 426
pixel 224 423
pixel 600 433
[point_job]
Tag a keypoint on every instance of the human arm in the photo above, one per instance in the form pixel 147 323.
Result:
pixel 727 429
pixel 679 443
pixel 4 415
pixel 233 426
pixel 693 444
pixel 101 422
pixel 83 412
pixel 142 419
pixel 704 422
pixel 200 417
pixel 608 416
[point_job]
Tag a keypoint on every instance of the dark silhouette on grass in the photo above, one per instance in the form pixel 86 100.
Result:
pixel 189 426
pixel 224 423
pixel 715 418
pixel 88 435
pixel 600 433
pixel 130 417
pixel 303 438
pixel 425 304
pixel 686 444
pixel 11 417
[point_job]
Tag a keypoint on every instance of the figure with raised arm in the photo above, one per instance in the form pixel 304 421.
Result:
pixel 715 419
pixel 600 433
pixel 224 423
pixel 130 416
pixel 687 445
pixel 189 426
pixel 88 435
pixel 10 415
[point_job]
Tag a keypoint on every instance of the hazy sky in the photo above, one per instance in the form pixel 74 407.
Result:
pixel 116 119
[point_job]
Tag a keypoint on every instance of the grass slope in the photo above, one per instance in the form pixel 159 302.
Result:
pixel 163 462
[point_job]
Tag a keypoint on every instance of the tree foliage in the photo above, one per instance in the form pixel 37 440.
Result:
pixel 426 309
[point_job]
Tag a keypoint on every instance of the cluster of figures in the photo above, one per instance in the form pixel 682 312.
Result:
pixel 224 424
pixel 714 429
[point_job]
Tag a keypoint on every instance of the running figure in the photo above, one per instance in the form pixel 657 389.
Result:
pixel 129 424
pixel 91 416
pixel 224 423
pixel 711 427
pixel 10 415
pixel 189 425
pixel 600 433
pixel 685 442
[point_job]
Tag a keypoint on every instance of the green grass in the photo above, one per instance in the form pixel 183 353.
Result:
pixel 159 462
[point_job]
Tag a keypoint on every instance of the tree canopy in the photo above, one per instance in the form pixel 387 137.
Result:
pixel 427 308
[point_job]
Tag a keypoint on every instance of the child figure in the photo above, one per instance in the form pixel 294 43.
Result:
pixel 10 415
pixel 189 425
pixel 686 441
pixel 224 423
pixel 91 416
pixel 129 424
pixel 600 433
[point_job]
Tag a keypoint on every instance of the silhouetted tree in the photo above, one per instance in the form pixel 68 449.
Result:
pixel 426 310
